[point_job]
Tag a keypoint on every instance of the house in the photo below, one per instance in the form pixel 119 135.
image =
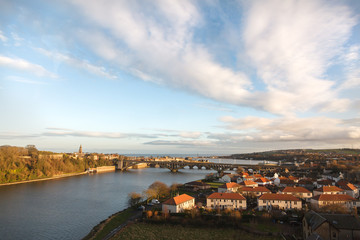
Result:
pixel 263 181
pixel 349 188
pixel 226 178
pixel 234 201
pixel 254 191
pixel 299 192
pixel 324 182
pixel 323 200
pixel 307 183
pixel 330 226
pixel 248 178
pixel 257 176
pixel 283 182
pixel 249 183
pixel 295 179
pixel 178 204
pixel 328 190
pixel 196 185
pixel 282 201
pixel 228 187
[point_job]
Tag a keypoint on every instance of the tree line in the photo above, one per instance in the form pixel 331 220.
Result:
pixel 21 164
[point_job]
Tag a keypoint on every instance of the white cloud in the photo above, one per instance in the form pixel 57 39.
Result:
pixel 2 37
pixel 157 38
pixel 23 65
pixel 82 64
pixel 24 80
pixel 289 129
pixel 292 44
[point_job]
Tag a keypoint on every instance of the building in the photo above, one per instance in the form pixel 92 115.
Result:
pixel 278 201
pixel 249 183
pixel 178 204
pixel 328 190
pixel 330 226
pixel 234 201
pixel 323 200
pixel 299 192
pixel 283 182
pixel 349 188
pixel 228 187
pixel 263 181
pixel 254 191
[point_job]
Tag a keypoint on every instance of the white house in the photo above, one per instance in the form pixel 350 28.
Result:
pixel 254 191
pixel 228 187
pixel 178 204
pixel 233 201
pixel 328 190
pixel 299 192
pixel 331 199
pixel 349 188
pixel 281 201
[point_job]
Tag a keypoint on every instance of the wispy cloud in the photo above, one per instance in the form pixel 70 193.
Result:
pixel 181 143
pixel 3 37
pixel 24 80
pixel 23 65
pixel 82 64
pixel 289 129
pixel 292 44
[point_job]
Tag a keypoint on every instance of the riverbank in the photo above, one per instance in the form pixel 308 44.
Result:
pixel 45 179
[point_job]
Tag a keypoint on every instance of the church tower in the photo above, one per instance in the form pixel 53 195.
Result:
pixel 80 149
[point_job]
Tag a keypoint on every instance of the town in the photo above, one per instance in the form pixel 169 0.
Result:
pixel 313 198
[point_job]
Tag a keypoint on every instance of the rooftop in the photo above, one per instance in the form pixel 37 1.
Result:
pixel 273 196
pixel 334 197
pixel 296 190
pixel 178 199
pixel 233 196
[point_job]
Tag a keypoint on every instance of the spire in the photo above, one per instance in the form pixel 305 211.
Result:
pixel 80 149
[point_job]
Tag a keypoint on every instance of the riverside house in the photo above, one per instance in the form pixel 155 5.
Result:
pixel 280 201
pixel 178 204
pixel 234 201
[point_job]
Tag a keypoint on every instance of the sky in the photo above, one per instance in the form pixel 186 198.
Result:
pixel 190 77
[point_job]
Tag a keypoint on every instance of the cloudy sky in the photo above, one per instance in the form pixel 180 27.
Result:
pixel 181 76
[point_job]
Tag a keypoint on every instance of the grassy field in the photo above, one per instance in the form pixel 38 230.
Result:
pixel 113 223
pixel 148 231
pixel 215 184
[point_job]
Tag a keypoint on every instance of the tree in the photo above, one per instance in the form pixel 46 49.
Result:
pixel 160 188
pixel 134 198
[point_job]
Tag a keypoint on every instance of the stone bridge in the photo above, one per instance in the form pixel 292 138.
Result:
pixel 174 166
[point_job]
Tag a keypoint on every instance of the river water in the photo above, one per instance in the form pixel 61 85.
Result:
pixel 69 208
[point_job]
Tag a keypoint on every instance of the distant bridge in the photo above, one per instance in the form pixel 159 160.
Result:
pixel 174 166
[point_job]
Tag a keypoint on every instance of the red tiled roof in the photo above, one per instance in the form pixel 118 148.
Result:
pixel 329 189
pixel 293 178
pixel 229 185
pixel 248 182
pixel 178 200
pixel 296 190
pixel 233 196
pixel 334 197
pixel 346 185
pixel 273 196
pixel 262 180
pixel 306 181
pixel 255 189
pixel 258 175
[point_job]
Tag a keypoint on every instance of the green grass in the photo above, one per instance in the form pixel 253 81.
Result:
pixel 148 231
pixel 114 223
pixel 214 184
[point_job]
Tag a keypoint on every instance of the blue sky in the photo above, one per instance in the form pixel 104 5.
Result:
pixel 206 77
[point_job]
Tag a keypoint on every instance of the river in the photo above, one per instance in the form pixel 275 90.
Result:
pixel 69 208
